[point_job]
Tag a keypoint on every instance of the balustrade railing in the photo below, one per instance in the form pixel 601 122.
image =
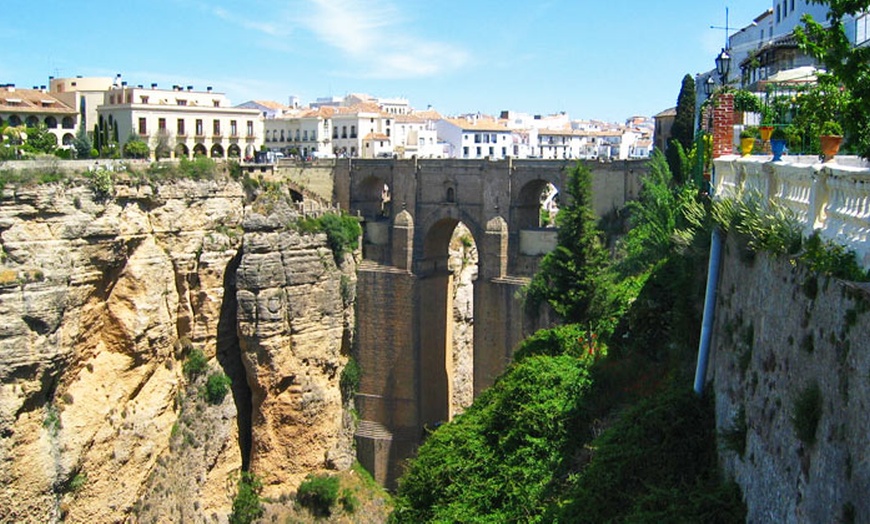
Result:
pixel 831 198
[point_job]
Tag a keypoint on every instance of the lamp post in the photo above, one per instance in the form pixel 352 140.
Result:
pixel 723 66
pixel 709 86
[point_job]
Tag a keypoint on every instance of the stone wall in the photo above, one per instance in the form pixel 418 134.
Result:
pixel 780 331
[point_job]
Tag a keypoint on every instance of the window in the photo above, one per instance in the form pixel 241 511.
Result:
pixel 250 128
pixel 353 131
pixel 305 135
pixel 143 99
pixel 216 127
pixel 297 135
pixel 282 135
pixel 217 103
pixel 234 128
pixel 181 102
pixel 778 14
pixel 179 127
pixel 343 131
pixel 143 128
pixel 465 152
pixel 335 132
pixel 161 124
pixel 199 131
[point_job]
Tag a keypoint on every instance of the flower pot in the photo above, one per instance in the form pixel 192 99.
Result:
pixel 777 146
pixel 766 131
pixel 746 145
pixel 830 146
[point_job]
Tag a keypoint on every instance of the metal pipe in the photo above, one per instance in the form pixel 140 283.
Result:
pixel 709 309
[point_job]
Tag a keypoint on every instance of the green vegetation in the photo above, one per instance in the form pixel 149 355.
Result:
pixel 342 232
pixel 217 385
pixel 247 506
pixel 319 494
pixel 136 147
pixel 849 66
pixel 569 279
pixel 807 413
pixel 79 480
pixel 195 363
pixel 683 129
pixel 349 380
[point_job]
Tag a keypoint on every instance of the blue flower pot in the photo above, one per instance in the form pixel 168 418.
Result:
pixel 777 146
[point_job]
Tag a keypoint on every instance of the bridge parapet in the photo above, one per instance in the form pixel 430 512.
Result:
pixel 833 198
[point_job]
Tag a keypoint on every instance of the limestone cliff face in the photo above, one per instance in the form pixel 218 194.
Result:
pixel 101 301
pixel 293 315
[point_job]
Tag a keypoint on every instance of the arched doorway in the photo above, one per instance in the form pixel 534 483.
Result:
pixel 181 151
pixel 234 151
pixel 446 275
pixel 217 151
pixel 537 205
pixel 199 150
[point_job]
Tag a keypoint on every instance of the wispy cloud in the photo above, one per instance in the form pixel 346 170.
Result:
pixel 376 36
pixel 270 29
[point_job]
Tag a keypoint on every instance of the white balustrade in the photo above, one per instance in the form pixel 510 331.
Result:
pixel 832 198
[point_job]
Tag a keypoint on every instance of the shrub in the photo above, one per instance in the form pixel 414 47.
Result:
pixel 216 387
pixel 807 414
pixel 195 363
pixel 318 493
pixel 102 183
pixel 342 232
pixel 349 381
pixel 247 506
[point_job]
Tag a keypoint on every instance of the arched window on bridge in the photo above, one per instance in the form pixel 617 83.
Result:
pixel 451 194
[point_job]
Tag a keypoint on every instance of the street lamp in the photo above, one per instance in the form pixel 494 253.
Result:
pixel 723 65
pixel 709 86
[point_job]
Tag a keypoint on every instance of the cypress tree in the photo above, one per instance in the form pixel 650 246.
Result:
pixel 683 130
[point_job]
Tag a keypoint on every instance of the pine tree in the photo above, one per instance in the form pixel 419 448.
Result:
pixel 570 278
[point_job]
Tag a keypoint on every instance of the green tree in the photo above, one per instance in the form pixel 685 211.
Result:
pixel 83 144
pixel 683 130
pixel 136 148
pixel 247 506
pixel 570 278
pixel 40 140
pixel 849 64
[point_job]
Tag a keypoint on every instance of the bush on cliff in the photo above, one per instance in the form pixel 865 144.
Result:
pixel 247 506
pixel 342 232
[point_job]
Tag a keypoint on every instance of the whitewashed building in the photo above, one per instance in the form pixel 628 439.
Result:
pixel 35 107
pixel 180 122
pixel 476 137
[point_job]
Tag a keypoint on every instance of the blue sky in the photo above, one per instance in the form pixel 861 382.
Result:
pixel 606 60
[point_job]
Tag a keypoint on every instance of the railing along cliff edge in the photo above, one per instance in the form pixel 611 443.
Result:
pixel 832 197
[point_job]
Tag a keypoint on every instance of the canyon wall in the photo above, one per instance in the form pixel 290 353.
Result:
pixel 103 298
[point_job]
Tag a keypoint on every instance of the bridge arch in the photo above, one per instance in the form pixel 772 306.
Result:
pixel 448 269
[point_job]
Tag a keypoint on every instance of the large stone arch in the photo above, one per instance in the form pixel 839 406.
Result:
pixel 527 204
pixel 372 197
pixel 51 122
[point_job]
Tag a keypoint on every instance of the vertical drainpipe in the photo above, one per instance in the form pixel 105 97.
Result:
pixel 709 310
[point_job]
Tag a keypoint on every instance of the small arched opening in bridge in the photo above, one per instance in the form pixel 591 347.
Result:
pixel 534 216
pixel 372 199
pixel 537 205
pixel 447 273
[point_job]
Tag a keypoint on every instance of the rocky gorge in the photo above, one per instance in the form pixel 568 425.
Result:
pixel 105 292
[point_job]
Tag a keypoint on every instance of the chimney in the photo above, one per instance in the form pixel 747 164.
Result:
pixel 11 87
pixel 208 89
pixel 153 86
pixel 124 83
pixel 190 88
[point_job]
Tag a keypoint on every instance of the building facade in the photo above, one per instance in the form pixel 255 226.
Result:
pixel 179 122
pixel 38 107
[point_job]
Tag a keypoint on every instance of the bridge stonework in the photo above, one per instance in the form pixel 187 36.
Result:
pixel 409 209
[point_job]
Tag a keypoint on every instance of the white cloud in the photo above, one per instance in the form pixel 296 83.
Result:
pixel 262 27
pixel 376 36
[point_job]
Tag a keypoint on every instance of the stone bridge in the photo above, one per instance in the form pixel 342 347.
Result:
pixel 409 210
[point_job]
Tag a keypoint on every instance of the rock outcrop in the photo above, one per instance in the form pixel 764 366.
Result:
pixel 101 302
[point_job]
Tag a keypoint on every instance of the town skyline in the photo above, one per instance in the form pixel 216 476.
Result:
pixel 591 62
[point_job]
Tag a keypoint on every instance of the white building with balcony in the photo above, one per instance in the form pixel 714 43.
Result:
pixel 179 122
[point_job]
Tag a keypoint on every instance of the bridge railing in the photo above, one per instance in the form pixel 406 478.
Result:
pixel 833 198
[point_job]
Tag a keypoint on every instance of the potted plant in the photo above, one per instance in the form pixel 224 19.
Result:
pixel 777 143
pixel 830 137
pixel 766 128
pixel 747 140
